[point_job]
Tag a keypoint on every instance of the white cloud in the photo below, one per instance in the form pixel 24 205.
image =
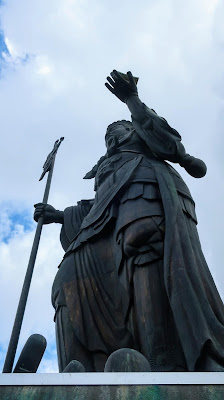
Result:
pixel 11 48
pixel 176 49
pixel 44 70
pixel 14 257
pixel 5 225
pixel 211 5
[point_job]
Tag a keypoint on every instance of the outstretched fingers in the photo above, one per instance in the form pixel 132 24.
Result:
pixel 111 81
pixel 110 88
pixel 121 85
pixel 115 75
pixel 118 77
pixel 131 78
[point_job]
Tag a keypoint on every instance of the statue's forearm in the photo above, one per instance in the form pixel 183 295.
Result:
pixel 136 108
pixel 141 113
pixel 59 217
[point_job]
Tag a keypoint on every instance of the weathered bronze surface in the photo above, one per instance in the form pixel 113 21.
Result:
pixel 121 392
pixel 31 354
pixel 133 274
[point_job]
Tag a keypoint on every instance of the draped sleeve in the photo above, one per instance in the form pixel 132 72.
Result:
pixel 73 217
pixel 158 135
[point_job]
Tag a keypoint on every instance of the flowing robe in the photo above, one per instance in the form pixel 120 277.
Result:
pixel 105 292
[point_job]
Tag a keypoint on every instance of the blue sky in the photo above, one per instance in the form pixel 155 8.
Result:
pixel 50 353
pixel 16 219
pixel 3 47
pixel 176 49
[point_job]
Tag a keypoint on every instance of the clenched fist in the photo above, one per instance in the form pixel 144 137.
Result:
pixel 49 214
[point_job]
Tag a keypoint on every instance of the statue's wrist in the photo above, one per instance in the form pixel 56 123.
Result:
pixel 136 108
pixel 59 217
pixel 130 96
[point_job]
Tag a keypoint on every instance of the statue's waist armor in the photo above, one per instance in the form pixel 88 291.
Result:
pixel 133 176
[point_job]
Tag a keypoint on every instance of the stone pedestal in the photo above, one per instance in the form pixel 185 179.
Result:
pixel 113 386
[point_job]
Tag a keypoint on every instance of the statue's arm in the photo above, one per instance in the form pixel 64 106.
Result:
pixel 70 219
pixel 127 92
pixel 49 214
pixel 73 218
pixel 163 140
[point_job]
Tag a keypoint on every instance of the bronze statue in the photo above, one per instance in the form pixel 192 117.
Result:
pixel 134 275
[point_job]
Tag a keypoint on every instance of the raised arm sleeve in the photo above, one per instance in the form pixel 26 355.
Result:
pixel 163 141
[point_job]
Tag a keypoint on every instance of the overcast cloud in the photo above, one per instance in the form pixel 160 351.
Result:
pixel 55 56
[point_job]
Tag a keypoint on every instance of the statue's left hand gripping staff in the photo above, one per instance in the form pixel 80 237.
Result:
pixel 48 167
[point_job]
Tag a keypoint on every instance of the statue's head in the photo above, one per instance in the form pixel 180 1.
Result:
pixel 116 131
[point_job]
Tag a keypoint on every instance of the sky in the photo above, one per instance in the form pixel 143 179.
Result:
pixel 55 56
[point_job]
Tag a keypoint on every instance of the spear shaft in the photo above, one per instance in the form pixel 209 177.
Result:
pixel 12 347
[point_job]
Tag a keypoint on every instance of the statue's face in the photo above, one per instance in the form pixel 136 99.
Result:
pixel 117 130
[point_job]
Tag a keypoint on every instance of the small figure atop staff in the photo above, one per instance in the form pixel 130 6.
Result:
pixel 50 158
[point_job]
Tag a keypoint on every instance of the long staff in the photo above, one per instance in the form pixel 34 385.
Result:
pixel 10 356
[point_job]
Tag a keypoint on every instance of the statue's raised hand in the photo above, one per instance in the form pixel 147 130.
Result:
pixel 49 214
pixel 121 87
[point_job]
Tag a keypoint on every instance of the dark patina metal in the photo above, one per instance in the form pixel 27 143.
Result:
pixel 134 275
